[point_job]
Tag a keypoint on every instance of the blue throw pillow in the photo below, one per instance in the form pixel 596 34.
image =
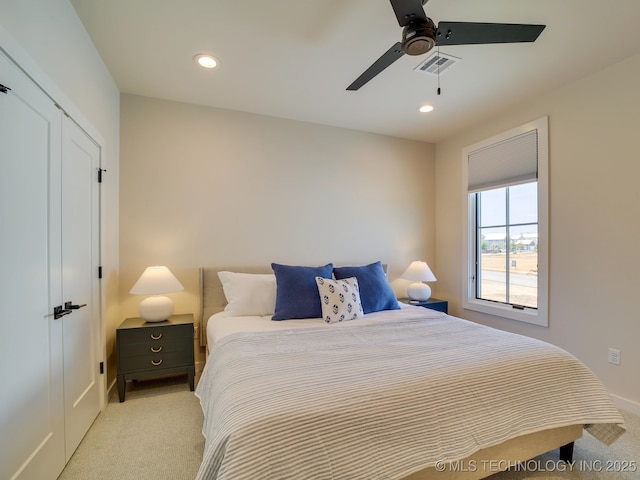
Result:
pixel 375 292
pixel 297 291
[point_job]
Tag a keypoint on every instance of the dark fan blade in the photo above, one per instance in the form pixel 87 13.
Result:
pixel 466 33
pixel 408 10
pixel 390 56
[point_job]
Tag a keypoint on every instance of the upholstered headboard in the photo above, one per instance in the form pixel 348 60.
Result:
pixel 212 299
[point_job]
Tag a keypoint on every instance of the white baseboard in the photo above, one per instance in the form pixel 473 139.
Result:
pixel 628 405
pixel 110 391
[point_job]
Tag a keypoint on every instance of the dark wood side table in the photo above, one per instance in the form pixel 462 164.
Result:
pixel 432 303
pixel 154 349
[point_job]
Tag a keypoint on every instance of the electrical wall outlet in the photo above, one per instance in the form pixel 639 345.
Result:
pixel 614 356
pixel 195 332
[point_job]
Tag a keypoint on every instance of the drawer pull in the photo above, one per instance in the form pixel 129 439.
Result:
pixel 155 363
pixel 156 350
pixel 156 337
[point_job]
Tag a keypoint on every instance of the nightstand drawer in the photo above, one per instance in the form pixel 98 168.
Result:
pixel 157 334
pixel 160 347
pixel 155 361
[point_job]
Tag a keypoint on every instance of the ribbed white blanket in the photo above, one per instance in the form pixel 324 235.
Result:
pixel 383 400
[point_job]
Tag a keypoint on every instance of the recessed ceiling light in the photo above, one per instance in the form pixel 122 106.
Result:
pixel 206 60
pixel 425 108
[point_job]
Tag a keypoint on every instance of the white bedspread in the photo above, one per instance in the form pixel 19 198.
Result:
pixel 382 399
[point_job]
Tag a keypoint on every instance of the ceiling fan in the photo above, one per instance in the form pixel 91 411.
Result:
pixel 420 35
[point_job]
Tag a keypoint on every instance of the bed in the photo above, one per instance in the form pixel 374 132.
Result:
pixel 404 393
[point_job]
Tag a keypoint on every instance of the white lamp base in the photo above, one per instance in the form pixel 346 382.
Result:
pixel 156 308
pixel 419 291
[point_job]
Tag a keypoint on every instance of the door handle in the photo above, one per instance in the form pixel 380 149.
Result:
pixel 70 306
pixel 59 312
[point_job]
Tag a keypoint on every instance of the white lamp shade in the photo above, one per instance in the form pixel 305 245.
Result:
pixel 419 272
pixel 156 281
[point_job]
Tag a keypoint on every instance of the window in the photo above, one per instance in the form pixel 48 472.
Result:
pixel 506 229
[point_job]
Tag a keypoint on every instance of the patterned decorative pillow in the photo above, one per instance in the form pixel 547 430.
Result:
pixel 340 299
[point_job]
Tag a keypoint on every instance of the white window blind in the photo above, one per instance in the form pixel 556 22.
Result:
pixel 510 162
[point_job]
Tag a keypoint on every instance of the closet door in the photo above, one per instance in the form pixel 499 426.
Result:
pixel 31 357
pixel 80 289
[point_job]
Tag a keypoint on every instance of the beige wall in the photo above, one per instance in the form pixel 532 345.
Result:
pixel 201 186
pixel 594 230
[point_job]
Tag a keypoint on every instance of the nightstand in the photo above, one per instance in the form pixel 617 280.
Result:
pixel 432 303
pixel 154 349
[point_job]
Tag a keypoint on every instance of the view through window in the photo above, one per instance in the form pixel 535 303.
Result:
pixel 507 245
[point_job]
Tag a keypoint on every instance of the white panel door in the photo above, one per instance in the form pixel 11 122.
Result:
pixel 80 289
pixel 31 367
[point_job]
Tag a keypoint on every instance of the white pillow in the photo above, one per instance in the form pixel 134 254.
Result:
pixel 340 299
pixel 249 293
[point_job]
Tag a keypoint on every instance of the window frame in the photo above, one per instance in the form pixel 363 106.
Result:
pixel 536 316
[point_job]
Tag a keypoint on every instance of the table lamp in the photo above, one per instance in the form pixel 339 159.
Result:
pixel 156 281
pixel 419 272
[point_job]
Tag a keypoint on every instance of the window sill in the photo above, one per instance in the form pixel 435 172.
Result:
pixel 527 315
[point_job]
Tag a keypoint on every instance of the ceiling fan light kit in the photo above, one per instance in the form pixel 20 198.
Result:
pixel 420 35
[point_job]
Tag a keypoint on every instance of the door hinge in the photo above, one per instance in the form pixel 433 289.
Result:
pixel 100 271
pixel 101 368
pixel 59 107
pixel 4 89
pixel 100 170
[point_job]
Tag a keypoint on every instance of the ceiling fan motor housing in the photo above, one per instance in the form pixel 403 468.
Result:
pixel 419 37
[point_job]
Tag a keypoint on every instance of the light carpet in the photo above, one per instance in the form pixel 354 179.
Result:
pixel 156 435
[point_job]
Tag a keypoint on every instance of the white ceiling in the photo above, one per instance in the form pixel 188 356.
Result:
pixel 295 58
